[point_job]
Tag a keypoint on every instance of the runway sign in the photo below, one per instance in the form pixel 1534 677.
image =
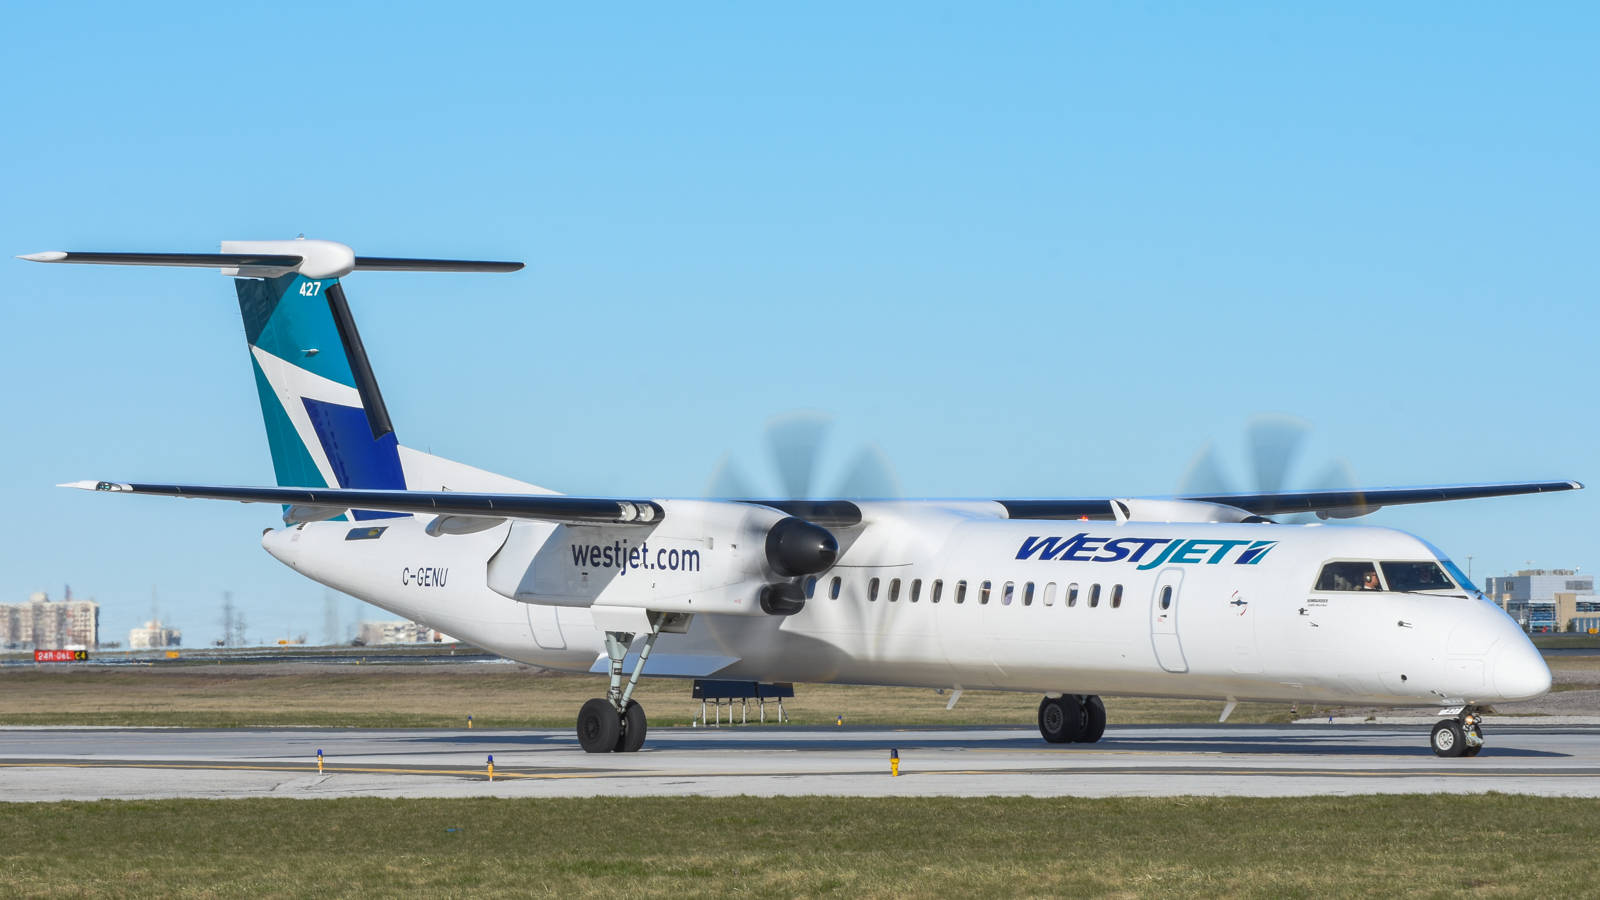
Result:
pixel 40 656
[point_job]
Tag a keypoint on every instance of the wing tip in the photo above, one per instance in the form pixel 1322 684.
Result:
pixel 44 256
pixel 91 485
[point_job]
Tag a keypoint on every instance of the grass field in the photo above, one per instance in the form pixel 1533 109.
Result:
pixel 1439 846
pixel 496 696
pixel 1567 640
pixel 510 696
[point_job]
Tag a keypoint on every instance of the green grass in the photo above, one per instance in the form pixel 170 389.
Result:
pixel 1440 846
pixel 208 695
pixel 496 696
pixel 1567 640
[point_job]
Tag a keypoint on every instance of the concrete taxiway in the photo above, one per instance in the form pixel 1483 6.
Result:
pixel 1243 760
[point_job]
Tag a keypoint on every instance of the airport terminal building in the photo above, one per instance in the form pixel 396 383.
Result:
pixel 1547 599
pixel 43 624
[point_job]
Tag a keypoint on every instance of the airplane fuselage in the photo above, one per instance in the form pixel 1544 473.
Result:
pixel 952 595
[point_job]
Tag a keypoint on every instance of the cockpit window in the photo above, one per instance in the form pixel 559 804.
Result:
pixel 1349 576
pixel 1460 576
pixel 1416 576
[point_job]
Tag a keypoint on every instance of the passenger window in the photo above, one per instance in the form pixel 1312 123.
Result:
pixel 1050 594
pixel 1166 597
pixel 1027 594
pixel 983 594
pixel 872 589
pixel 833 589
pixel 811 587
pixel 938 588
pixel 1348 576
pixel 1116 597
pixel 1007 593
pixel 1415 576
pixel 894 589
pixel 916 589
pixel 961 591
pixel 1094 595
pixel 1072 594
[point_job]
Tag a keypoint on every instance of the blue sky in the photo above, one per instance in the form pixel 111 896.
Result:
pixel 1025 249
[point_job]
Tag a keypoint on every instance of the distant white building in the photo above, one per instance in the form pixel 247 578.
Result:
pixel 154 636
pixel 401 632
pixel 1545 599
pixel 41 624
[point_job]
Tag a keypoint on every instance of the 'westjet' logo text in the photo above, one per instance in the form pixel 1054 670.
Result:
pixel 1162 551
pixel 618 555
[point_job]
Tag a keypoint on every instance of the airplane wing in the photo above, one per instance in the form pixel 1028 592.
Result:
pixel 308 504
pixel 321 503
pixel 1344 504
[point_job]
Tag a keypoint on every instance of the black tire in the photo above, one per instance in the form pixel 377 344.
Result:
pixel 598 726
pixel 1060 719
pixel 1447 739
pixel 633 729
pixel 1094 719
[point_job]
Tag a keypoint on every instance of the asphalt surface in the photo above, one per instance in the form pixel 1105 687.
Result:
pixel 1244 760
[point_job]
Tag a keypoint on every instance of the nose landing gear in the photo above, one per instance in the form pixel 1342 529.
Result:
pixel 1460 736
pixel 1071 718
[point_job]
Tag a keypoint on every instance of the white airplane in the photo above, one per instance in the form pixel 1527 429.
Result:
pixel 1189 596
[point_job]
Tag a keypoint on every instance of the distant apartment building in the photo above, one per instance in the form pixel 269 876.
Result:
pixel 154 636
pixel 43 624
pixel 401 632
pixel 1546 599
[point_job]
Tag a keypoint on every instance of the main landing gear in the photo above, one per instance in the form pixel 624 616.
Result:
pixel 1461 736
pixel 615 723
pixel 1072 719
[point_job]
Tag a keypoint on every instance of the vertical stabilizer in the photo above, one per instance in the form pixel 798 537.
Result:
pixel 326 422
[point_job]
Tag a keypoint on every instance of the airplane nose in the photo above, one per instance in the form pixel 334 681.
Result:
pixel 1520 672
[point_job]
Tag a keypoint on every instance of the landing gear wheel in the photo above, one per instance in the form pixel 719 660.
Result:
pixel 599 726
pixel 1060 719
pixel 1094 719
pixel 633 729
pixel 1448 739
pixel 1474 740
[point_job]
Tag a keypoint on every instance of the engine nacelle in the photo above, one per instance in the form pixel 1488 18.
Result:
pixel 703 556
pixel 796 547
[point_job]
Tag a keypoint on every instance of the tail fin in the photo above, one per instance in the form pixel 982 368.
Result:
pixel 326 422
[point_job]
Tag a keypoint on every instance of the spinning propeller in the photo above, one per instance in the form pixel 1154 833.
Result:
pixel 1276 442
pixel 795 442
pixel 795 546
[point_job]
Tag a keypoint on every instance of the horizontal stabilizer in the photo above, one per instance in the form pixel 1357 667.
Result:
pixel 198 260
pixel 270 259
pixel 406 264
pixel 542 507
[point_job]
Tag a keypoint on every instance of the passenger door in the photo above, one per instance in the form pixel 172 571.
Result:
pixel 1164 621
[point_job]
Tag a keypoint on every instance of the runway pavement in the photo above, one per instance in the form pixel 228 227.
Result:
pixel 1245 760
